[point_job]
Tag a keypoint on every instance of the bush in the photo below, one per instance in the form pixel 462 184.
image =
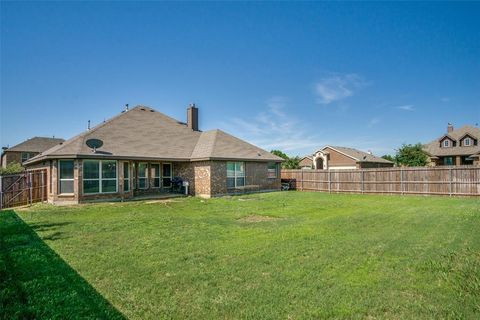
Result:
pixel 12 168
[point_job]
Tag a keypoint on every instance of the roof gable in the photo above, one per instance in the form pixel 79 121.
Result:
pixel 36 144
pixel 358 155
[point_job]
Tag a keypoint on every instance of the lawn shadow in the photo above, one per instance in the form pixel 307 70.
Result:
pixel 36 283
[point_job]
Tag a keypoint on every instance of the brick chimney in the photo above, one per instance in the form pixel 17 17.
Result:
pixel 449 128
pixel 192 117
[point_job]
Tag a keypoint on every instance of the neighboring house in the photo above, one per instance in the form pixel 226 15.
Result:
pixel 27 149
pixel 306 162
pixel 456 147
pixel 342 158
pixel 144 149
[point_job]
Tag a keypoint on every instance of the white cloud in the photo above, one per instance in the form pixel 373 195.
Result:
pixel 338 87
pixel 373 122
pixel 272 128
pixel 407 107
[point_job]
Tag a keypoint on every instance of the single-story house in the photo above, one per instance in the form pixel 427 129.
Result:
pixel 306 162
pixel 139 152
pixel 455 147
pixel 27 149
pixel 343 158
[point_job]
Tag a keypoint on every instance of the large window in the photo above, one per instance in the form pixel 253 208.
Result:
pixel 126 177
pixel 156 175
pixel 26 156
pixel 142 175
pixel 65 176
pixel 235 174
pixel 167 175
pixel 272 170
pixel 99 176
pixel 448 161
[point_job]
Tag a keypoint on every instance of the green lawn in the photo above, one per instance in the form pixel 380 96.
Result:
pixel 288 255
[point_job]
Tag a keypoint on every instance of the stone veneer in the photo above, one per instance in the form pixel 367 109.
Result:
pixel 206 179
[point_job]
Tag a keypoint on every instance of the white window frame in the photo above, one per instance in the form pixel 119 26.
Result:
pixel 100 178
pixel 28 155
pixel 67 179
pixel 145 177
pixel 272 173
pixel 446 143
pixel 235 176
pixel 126 180
pixel 465 142
pixel 157 175
pixel 166 177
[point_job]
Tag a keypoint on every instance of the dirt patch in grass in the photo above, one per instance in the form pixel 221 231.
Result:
pixel 160 201
pixel 258 218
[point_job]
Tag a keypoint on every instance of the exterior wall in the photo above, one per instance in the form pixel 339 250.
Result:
pixel 366 165
pixel 13 156
pixel 305 162
pixel 206 179
pixel 336 159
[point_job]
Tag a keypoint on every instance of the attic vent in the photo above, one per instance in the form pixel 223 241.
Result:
pixel 152 110
pixel 143 109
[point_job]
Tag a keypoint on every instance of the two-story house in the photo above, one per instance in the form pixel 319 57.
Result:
pixel 27 149
pixel 456 147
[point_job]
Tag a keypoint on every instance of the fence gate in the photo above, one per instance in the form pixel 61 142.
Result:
pixel 23 188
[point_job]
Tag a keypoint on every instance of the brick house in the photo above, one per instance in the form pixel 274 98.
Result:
pixel 343 158
pixel 144 149
pixel 27 149
pixel 455 147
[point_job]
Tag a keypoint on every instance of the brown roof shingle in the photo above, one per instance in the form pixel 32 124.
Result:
pixel 145 133
pixel 36 144
pixel 358 155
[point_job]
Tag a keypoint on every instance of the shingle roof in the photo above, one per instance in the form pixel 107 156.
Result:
pixel 358 155
pixel 433 148
pixel 144 133
pixel 36 144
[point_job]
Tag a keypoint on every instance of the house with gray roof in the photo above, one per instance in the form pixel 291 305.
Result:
pixel 143 152
pixel 343 158
pixel 27 149
pixel 455 147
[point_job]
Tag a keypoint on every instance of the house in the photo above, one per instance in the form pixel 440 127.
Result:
pixel 139 152
pixel 306 162
pixel 343 158
pixel 455 147
pixel 27 149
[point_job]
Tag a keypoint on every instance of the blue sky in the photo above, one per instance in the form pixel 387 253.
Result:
pixel 291 76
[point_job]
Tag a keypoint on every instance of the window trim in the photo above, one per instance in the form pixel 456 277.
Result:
pixel 446 143
pixel 166 177
pixel 127 180
pixel 275 170
pixel 28 154
pixel 469 142
pixel 59 170
pixel 159 177
pixel 100 178
pixel 145 177
pixel 235 174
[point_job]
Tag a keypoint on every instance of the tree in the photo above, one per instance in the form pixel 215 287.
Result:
pixel 411 155
pixel 388 157
pixel 280 154
pixel 291 163
pixel 11 168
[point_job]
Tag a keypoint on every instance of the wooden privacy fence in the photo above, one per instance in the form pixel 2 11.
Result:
pixel 23 188
pixel 461 181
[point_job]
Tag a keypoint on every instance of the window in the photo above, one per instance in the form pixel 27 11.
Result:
pixel 448 161
pixel 142 176
pixel 235 174
pixel 167 175
pixel 155 172
pixel 446 143
pixel 467 142
pixel 65 176
pixel 272 170
pixel 26 156
pixel 126 177
pixel 99 176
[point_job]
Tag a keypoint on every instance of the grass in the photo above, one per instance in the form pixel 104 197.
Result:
pixel 287 255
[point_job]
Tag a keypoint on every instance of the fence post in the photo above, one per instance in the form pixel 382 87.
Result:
pixel 301 179
pixel 42 184
pixel 402 188
pixel 362 180
pixel 329 181
pixel 30 186
pixel 451 181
